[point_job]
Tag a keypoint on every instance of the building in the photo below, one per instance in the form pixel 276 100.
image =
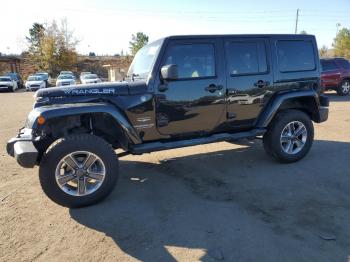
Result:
pixel 10 64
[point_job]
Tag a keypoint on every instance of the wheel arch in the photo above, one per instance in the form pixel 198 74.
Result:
pixel 102 120
pixel 306 101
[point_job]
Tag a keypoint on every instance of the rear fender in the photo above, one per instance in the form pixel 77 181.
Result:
pixel 306 100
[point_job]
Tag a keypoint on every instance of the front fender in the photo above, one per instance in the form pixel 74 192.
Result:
pixel 271 109
pixel 61 110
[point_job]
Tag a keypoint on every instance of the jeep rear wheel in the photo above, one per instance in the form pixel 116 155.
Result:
pixel 344 88
pixel 289 136
pixel 78 170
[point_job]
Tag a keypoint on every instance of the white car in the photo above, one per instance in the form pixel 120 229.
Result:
pixel 6 83
pixel 82 74
pixel 65 80
pixel 91 79
pixel 34 83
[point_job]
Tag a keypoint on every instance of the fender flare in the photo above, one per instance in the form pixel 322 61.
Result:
pixel 271 109
pixel 54 111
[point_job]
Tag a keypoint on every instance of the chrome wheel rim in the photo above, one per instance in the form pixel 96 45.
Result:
pixel 346 87
pixel 80 173
pixel 293 137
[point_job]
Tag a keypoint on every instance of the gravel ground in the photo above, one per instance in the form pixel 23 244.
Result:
pixel 212 202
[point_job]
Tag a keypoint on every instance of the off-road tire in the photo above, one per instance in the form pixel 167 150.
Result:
pixel 271 139
pixel 64 146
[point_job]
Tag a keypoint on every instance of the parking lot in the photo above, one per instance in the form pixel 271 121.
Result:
pixel 212 202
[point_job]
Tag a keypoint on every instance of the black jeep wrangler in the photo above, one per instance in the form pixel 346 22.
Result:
pixel 180 91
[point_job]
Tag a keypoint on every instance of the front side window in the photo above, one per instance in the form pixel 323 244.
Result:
pixel 344 63
pixel 294 56
pixel 192 60
pixel 246 58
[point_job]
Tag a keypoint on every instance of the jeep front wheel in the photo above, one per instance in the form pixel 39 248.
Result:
pixel 289 136
pixel 78 170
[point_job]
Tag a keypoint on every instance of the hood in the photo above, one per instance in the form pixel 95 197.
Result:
pixel 85 90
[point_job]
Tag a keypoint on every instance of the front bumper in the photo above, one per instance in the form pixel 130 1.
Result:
pixel 23 149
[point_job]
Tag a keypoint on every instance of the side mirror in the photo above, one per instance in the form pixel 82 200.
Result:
pixel 169 72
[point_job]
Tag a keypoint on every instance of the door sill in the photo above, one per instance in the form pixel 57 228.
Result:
pixel 159 146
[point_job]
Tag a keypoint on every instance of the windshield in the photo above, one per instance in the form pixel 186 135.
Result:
pixel 5 79
pixel 34 78
pixel 90 76
pixel 65 77
pixel 142 64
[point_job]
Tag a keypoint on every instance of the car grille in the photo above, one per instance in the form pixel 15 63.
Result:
pixel 65 83
pixel 4 86
pixel 34 85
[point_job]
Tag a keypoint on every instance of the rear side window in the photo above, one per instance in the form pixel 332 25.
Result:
pixel 328 65
pixel 294 56
pixel 245 58
pixel 192 60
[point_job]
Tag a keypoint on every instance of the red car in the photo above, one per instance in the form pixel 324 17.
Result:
pixel 336 75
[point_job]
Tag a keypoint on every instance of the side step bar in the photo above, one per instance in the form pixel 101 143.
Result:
pixel 159 146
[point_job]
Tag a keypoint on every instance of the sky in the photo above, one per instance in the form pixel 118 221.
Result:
pixel 105 27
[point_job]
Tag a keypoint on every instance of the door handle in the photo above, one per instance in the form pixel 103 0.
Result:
pixel 261 83
pixel 212 88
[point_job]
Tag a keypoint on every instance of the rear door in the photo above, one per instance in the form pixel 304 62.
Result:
pixel 249 79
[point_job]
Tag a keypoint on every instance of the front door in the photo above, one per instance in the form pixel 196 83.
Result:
pixel 249 79
pixel 195 102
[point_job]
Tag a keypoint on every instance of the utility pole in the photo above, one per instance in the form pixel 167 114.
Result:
pixel 296 22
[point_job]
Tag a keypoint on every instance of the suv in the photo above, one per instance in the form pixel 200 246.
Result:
pixel 180 91
pixel 336 75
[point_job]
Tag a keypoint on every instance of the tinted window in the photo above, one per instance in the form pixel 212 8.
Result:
pixel 295 56
pixel 344 63
pixel 192 60
pixel 328 65
pixel 246 58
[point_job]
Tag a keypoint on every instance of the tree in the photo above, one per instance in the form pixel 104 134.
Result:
pixel 35 38
pixel 137 42
pixel 341 43
pixel 52 47
pixel 303 32
pixel 92 54
pixel 323 51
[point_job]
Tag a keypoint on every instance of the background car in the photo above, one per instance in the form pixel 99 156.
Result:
pixel 35 82
pixel 336 75
pixel 82 74
pixel 16 77
pixel 67 73
pixel 65 80
pixel 45 76
pixel 91 79
pixel 7 83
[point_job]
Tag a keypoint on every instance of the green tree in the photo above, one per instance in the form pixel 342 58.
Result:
pixel 303 32
pixel 341 43
pixel 35 38
pixel 137 42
